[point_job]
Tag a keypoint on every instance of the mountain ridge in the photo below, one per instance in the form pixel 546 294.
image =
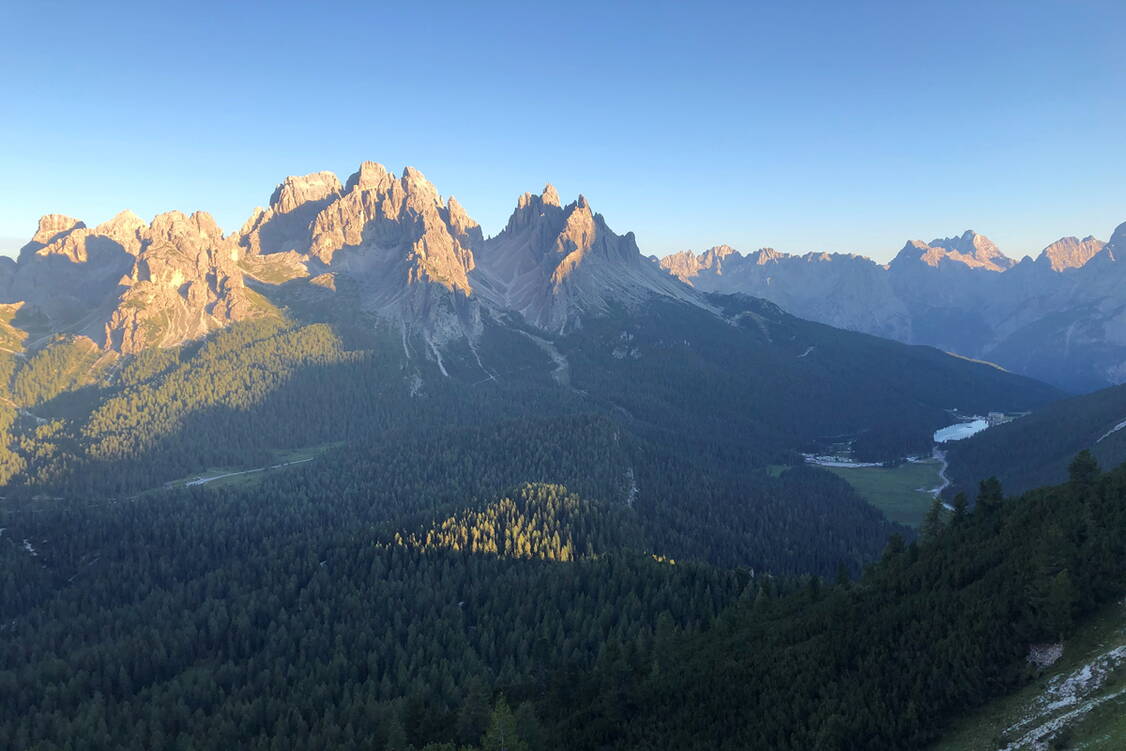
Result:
pixel 1058 317
pixel 413 258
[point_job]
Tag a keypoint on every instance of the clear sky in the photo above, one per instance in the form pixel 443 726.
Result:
pixel 846 126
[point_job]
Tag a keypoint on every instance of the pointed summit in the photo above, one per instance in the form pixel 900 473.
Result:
pixel 549 196
pixel 408 252
pixel 974 250
pixel 970 250
pixel 541 210
pixel 555 264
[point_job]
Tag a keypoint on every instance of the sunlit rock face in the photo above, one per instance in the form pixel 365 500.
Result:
pixel 127 284
pixel 390 248
pixel 1061 317
pixel 284 225
pixel 184 283
pixel 398 225
pixel 553 264
pixel 387 246
pixel 1070 253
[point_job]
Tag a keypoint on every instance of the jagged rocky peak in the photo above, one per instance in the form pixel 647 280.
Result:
pixel 969 249
pixel 297 191
pixel 685 265
pixel 552 263
pixel 398 229
pixel 763 256
pixel 131 284
pixel 52 229
pixel 370 176
pixel 974 250
pixel 177 227
pixel 586 234
pixel 285 225
pixel 64 238
pixel 184 283
pixel 1070 252
pixel 532 209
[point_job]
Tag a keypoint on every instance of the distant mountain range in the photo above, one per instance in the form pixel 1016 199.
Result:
pixel 1060 317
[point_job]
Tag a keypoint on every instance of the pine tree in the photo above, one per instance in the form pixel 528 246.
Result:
pixel 502 734
pixel 960 504
pixel 473 717
pixel 528 726
pixel 1083 469
pixel 990 495
pixel 931 527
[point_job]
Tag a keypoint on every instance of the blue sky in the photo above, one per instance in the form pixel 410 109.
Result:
pixel 799 125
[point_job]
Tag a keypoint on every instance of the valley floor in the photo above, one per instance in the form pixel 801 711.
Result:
pixel 903 493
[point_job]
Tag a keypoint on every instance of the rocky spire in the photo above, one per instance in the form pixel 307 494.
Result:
pixel 535 210
pixel 549 197
pixel 553 263
pixel 396 232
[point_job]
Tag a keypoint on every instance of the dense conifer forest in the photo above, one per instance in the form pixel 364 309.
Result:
pixel 502 552
pixel 206 619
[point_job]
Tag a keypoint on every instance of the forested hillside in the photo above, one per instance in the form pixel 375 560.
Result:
pixel 358 620
pixel 214 620
pixel 1035 450
pixel 935 628
pixel 488 530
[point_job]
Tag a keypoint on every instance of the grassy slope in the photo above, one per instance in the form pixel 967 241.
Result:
pixel 895 491
pixel 1102 728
